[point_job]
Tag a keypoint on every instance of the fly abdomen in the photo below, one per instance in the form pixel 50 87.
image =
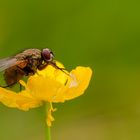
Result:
pixel 13 75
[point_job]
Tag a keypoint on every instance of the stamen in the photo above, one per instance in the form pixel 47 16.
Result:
pixel 23 83
pixel 50 118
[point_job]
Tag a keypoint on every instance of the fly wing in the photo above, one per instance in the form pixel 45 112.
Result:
pixel 7 63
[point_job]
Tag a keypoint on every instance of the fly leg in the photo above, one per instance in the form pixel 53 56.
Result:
pixel 57 67
pixel 20 87
pixel 42 66
pixel 25 73
pixel 10 85
pixel 7 86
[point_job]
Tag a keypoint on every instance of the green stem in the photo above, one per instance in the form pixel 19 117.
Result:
pixel 48 129
pixel 48 133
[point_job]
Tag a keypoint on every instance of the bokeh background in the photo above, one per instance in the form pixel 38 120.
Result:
pixel 104 35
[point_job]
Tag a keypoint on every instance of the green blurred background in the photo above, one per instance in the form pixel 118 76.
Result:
pixel 104 35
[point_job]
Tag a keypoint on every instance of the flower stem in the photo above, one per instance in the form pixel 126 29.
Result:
pixel 48 129
pixel 48 133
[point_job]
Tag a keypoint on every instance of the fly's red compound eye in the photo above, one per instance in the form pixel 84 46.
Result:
pixel 47 54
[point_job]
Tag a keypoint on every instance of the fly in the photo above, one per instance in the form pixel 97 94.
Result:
pixel 26 63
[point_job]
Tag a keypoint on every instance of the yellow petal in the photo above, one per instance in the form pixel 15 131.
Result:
pixel 20 100
pixel 53 73
pixel 44 89
pixel 76 85
pixel 53 85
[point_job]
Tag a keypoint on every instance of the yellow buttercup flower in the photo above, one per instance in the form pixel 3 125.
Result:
pixel 48 85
